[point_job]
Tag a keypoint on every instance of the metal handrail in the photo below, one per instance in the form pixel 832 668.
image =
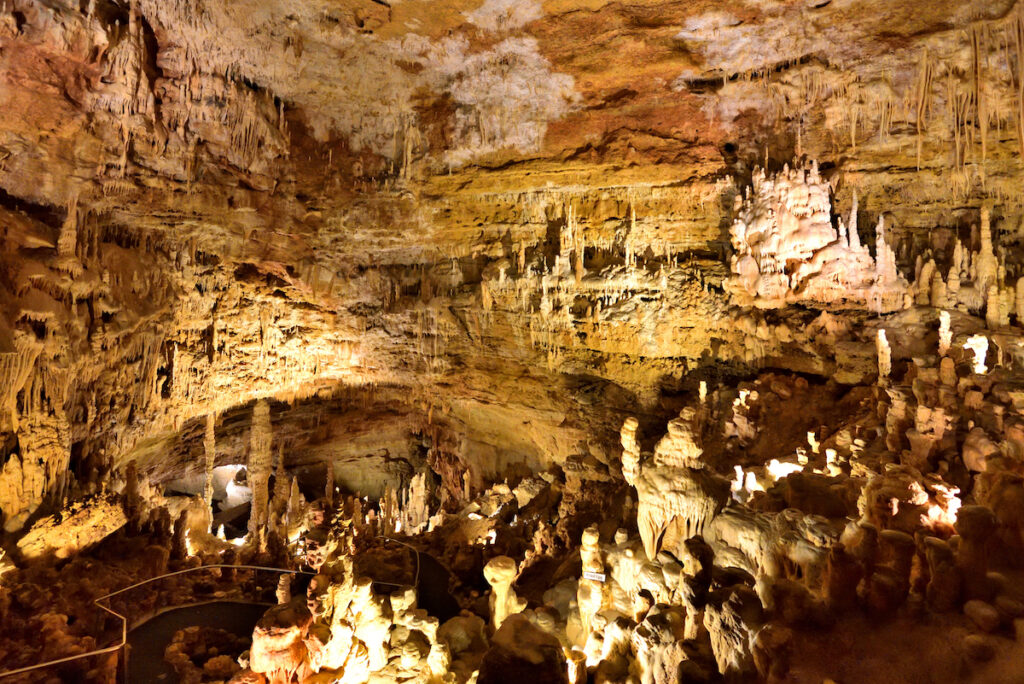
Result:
pixel 415 552
pixel 124 620
pixel 201 567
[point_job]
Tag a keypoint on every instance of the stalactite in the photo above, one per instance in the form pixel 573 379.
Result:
pixel 924 86
pixel 15 369
pixel 979 51
pixel 1016 28
pixel 67 242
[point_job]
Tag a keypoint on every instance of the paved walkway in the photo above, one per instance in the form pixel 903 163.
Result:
pixel 432 589
pixel 147 642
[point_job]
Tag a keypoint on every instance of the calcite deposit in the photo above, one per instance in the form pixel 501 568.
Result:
pixel 509 340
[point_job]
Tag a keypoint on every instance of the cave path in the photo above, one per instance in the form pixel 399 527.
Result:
pixel 146 642
pixel 432 589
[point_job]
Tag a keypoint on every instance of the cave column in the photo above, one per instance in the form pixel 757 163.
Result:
pixel 210 451
pixel 259 472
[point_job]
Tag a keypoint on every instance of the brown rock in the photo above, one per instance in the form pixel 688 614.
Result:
pixel 521 652
pixel 976 526
pixel 1009 608
pixel 982 614
pixel 944 583
pixel 978 648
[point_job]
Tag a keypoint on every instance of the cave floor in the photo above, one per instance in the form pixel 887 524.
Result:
pixel 147 642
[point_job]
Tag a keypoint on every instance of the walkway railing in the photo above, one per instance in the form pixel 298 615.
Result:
pixel 99 602
pixel 416 555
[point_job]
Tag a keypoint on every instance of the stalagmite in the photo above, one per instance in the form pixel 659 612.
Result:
pixel 945 333
pixel 678 498
pixel 854 242
pixel 589 597
pixel 993 318
pixel 884 355
pixel 500 573
pixel 978 345
pixel 329 486
pixel 284 588
pixel 938 296
pixel 987 264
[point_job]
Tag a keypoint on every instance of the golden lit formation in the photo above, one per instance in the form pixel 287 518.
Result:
pixel 511 341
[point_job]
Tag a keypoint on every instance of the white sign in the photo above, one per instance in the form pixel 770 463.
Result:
pixel 596 576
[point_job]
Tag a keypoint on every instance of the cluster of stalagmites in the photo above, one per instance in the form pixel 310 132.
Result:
pixel 728 565
pixel 725 573
pixel 787 250
pixel 907 499
pixel 200 654
pixel 344 630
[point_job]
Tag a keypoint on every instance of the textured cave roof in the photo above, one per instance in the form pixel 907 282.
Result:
pixel 332 179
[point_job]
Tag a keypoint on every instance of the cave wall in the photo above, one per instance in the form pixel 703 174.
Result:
pixel 204 203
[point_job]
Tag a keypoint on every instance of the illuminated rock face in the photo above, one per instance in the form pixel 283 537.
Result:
pixel 78 528
pixel 677 497
pixel 541 289
pixel 278 648
pixel 787 249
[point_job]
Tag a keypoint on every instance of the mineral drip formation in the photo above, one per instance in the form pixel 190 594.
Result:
pixel 509 341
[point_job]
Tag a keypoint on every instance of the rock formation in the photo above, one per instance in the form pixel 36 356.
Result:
pixel 645 342
pixel 786 249
pixel 677 497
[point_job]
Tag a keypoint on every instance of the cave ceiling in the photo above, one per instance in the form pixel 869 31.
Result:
pixel 207 202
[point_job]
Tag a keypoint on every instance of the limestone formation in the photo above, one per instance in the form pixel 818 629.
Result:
pixel 259 466
pixel 278 650
pixel 210 452
pixel 589 599
pixel 977 345
pixel 677 496
pixel 884 355
pixel 500 572
pixel 541 341
pixel 787 250
pixel 945 333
